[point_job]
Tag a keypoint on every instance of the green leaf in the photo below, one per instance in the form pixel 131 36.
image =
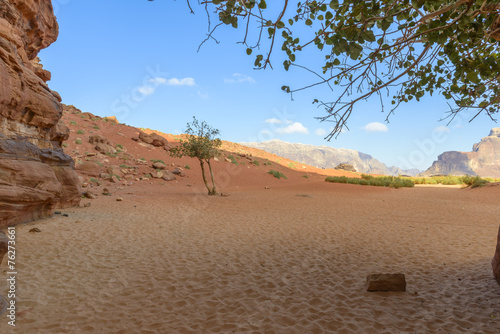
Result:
pixel 309 22
pixel 334 4
pixel 355 50
pixel 249 51
pixel 262 4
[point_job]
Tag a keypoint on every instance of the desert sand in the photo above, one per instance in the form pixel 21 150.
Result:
pixel 289 259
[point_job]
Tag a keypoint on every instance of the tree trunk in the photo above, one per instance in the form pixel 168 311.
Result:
pixel 214 192
pixel 203 174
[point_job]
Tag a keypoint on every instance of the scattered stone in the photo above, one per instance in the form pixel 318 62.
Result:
pixel 114 179
pixel 106 192
pixel 168 176
pixel 178 171
pixel 159 165
pixel 267 188
pixel 86 205
pixel 158 175
pixel 105 176
pixel 35 230
pixel 89 195
pixel 216 159
pixel 119 199
pixel 304 195
pixel 386 282
pixel 65 215
pixel 57 212
pixel 85 185
pixel 105 148
pixel 224 194
pixel 135 139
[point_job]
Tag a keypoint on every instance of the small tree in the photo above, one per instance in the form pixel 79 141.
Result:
pixel 201 144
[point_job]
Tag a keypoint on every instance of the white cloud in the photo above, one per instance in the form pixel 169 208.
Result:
pixel 204 96
pixel 320 132
pixel 442 128
pixel 153 83
pixel 273 121
pixel 181 82
pixel 375 127
pixel 158 81
pixel 146 90
pixel 293 128
pixel 239 78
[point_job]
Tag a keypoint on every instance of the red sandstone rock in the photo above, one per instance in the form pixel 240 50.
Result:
pixel 35 174
pixel 495 263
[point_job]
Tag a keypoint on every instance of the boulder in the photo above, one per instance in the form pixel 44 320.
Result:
pixel 153 139
pixel 386 282
pixel 105 148
pixel 159 165
pixel 97 139
pixel 346 167
pixel 168 176
pixel 495 263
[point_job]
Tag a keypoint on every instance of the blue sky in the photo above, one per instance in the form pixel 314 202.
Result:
pixel 138 60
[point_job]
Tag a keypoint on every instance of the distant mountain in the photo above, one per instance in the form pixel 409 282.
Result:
pixel 484 160
pixel 329 157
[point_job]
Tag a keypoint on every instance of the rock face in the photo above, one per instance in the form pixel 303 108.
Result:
pixel 484 160
pixel 35 175
pixel 495 263
pixel 328 157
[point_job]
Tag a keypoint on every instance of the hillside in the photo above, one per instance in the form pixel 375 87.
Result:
pixel 329 157
pixel 112 155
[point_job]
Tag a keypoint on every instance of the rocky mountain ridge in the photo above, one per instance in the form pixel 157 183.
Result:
pixel 483 160
pixel 329 157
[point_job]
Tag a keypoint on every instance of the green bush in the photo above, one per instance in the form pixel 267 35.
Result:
pixel 155 160
pixel 233 160
pixel 80 132
pixel 277 174
pixel 368 180
pixel 120 146
pixel 72 123
pixel 64 145
pixel 291 165
pixel 187 167
pixel 305 176
pixel 256 163
pixel 479 183
pixel 96 127
pixel 78 141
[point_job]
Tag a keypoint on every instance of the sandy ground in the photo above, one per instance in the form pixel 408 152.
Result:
pixel 169 260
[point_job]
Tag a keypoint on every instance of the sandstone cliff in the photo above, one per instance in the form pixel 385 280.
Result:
pixel 35 174
pixel 484 160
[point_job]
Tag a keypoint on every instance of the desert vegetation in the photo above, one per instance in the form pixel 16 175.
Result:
pixel 379 181
pixel 277 174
